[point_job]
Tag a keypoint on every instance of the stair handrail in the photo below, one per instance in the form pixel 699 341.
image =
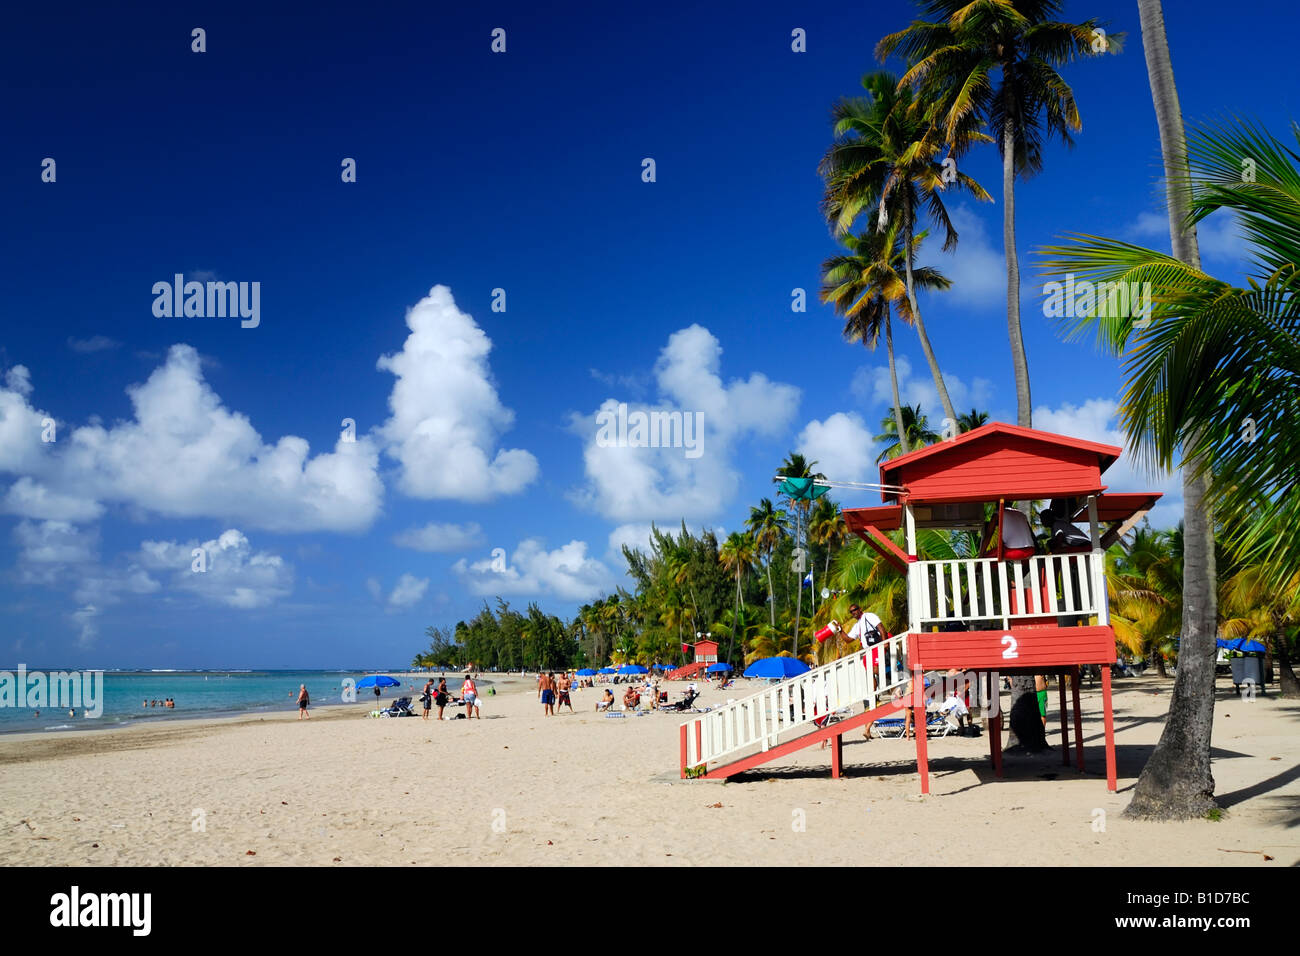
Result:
pixel 760 718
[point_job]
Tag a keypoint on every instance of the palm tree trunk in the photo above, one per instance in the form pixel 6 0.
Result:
pixel 1176 782
pixel 920 330
pixel 893 381
pixel 771 602
pixel 1020 364
pixel 1288 686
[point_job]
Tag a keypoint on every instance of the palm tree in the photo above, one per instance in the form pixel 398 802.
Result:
pixel 953 59
pixel 796 466
pixel 1255 608
pixel 826 527
pixel 915 426
pixel 1145 588
pixel 969 421
pixel 768 526
pixel 886 155
pixel 1208 364
pixel 865 287
pixel 1210 358
pixel 737 554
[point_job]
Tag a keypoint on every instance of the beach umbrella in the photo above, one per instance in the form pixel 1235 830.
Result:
pixel 633 669
pixel 717 668
pixel 1242 644
pixel 777 668
pixel 607 670
pixel 378 680
pixel 586 672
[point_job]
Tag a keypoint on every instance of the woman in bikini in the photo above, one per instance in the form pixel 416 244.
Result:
pixel 440 697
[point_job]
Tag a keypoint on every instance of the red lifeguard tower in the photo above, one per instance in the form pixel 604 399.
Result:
pixel 1019 605
pixel 704 654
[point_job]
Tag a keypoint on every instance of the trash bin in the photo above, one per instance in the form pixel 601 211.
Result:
pixel 1247 670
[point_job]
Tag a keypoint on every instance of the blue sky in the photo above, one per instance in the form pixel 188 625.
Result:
pixel 476 429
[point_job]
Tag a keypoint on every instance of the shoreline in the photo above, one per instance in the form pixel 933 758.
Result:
pixel 154 717
pixel 519 788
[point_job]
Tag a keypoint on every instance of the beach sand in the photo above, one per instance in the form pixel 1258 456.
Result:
pixel 520 788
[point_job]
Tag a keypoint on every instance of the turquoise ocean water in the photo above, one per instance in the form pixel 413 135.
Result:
pixel 208 694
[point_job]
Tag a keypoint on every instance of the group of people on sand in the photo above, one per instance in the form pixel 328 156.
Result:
pixel 439 696
pixel 553 692
pixel 165 702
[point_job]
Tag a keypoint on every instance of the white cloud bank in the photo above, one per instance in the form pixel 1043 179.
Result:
pixel 182 455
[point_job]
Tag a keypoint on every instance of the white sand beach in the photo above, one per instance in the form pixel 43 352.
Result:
pixel 520 788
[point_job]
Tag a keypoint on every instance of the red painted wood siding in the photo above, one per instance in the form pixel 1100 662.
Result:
pixel 1034 647
pixel 1002 466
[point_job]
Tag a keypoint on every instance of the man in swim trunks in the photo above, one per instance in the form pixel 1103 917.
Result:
pixel 607 701
pixel 1040 685
pixel 563 686
pixel 546 691
pixel 303 700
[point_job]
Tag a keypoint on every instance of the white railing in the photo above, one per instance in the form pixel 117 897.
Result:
pixel 986 589
pixel 759 719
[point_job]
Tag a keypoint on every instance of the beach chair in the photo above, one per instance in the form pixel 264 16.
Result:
pixel 398 708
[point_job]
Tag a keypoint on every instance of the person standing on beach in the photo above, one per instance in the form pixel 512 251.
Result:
pixel 303 700
pixel 566 684
pixel 440 698
pixel 469 694
pixel 546 691
pixel 426 697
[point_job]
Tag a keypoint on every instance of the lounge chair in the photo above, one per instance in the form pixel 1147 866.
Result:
pixel 398 708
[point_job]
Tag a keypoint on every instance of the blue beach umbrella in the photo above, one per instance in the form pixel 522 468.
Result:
pixel 777 668
pixel 633 669
pixel 1242 644
pixel 378 680
pixel 607 670
pixel 717 668
pixel 586 672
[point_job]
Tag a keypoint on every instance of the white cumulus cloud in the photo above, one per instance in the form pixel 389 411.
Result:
pixel 446 414
pixel 565 572
pixel 182 455
pixel 631 483
pixel 232 573
pixel 842 446
pixel 440 537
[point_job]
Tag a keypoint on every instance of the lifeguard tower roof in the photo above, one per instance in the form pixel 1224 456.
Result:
pixel 998 460
pixel 1001 461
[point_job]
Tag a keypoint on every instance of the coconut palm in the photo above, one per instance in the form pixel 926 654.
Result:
pixel 738 554
pixel 886 159
pixel 768 526
pixel 827 528
pixel 1254 607
pixel 1247 338
pixel 1145 591
pixel 969 421
pixel 915 426
pixel 865 287
pixel 996 61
